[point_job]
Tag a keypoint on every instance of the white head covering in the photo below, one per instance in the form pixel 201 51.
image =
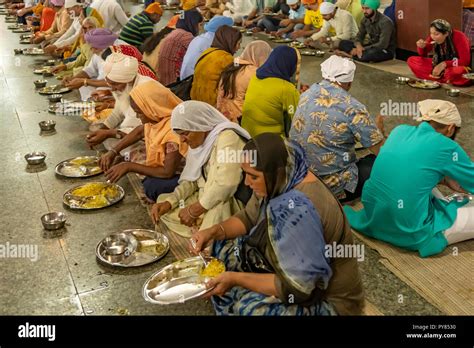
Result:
pixel 292 2
pixel 120 68
pixel 326 8
pixel 72 3
pixel 196 116
pixel 441 111
pixel 338 69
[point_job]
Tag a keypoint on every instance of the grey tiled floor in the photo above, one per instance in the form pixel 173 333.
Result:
pixel 66 279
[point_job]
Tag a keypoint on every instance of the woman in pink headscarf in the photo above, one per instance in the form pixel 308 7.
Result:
pixel 236 77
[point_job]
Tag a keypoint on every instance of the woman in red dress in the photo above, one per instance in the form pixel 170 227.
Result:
pixel 451 55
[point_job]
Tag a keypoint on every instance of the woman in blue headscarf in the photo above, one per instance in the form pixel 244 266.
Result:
pixel 276 249
pixel 173 47
pixel 272 97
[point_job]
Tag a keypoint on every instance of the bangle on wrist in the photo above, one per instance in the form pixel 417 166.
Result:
pixel 189 213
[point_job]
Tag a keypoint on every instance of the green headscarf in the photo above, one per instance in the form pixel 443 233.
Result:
pixel 373 4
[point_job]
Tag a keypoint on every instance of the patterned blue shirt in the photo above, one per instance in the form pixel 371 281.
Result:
pixel 327 124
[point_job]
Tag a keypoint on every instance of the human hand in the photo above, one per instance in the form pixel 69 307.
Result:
pixel 185 217
pixel 220 284
pixel 438 70
pixel 117 171
pixel 75 83
pixel 106 160
pixel 50 49
pixel 202 239
pixel 421 43
pixel 58 68
pixel 158 210
pixel 97 137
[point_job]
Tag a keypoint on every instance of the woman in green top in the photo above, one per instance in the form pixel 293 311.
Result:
pixel 399 205
pixel 271 98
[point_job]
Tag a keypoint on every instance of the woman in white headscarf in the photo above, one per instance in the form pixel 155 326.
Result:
pixel 206 193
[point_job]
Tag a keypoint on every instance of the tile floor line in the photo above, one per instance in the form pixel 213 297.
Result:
pixel 71 277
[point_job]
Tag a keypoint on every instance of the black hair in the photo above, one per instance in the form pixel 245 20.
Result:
pixel 150 44
pixel 228 79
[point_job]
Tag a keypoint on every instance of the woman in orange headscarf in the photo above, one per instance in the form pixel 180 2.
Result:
pixel 153 104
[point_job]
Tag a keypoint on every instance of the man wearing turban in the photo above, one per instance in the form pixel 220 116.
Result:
pixel 62 22
pixel 329 122
pixel 92 76
pixel 313 21
pixel 382 40
pixel 121 75
pixel 402 203
pixel 140 27
pixel 78 11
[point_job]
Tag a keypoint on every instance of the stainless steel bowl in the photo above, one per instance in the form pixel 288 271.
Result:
pixel 47 74
pixel 453 92
pixel 119 246
pixel 401 80
pixel 40 83
pixel 55 98
pixel 320 53
pixel 35 158
pixel 47 126
pixel 18 51
pixel 53 221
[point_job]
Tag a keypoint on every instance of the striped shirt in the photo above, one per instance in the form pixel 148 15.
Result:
pixel 137 30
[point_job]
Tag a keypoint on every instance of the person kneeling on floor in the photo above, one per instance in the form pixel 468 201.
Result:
pixel 402 205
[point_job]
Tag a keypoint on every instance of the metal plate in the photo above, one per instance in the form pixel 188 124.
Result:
pixel 288 40
pixel 79 167
pixel 297 44
pixel 26 36
pixel 468 76
pixel 42 70
pixel 25 42
pixel 33 51
pixel 67 108
pixel 169 8
pixel 74 201
pixel 14 26
pixel 423 84
pixel 21 30
pixel 308 53
pixel 146 252
pixel 57 89
pixel 176 283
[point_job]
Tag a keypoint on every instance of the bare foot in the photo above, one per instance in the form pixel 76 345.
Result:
pixel 379 121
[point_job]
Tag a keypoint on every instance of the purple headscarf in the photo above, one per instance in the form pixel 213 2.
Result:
pixel 100 38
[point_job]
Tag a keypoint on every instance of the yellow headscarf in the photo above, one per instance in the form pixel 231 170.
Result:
pixel 157 102
pixel 188 4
